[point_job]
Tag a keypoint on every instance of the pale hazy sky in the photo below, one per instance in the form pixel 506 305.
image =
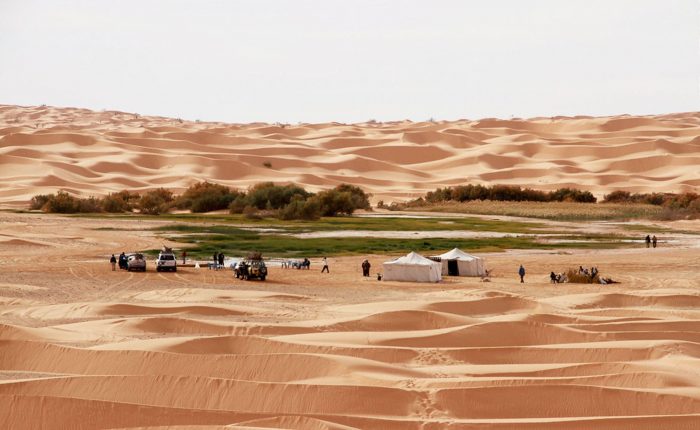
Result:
pixel 349 61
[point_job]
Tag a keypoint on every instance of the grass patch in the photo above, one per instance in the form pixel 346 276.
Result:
pixel 199 223
pixel 204 241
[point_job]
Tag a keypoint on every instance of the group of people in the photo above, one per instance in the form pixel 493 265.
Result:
pixel 123 262
pixel 650 241
pixel 305 264
pixel 296 264
pixel 558 278
pixel 218 260
pixel 584 271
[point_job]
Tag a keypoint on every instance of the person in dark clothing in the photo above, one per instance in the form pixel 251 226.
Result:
pixel 221 259
pixel 553 278
pixel 122 261
pixel 647 240
pixel 521 272
pixel 365 268
pixel 184 256
pixel 653 241
pixel 113 261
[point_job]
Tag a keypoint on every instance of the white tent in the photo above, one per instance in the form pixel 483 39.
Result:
pixel 412 268
pixel 459 263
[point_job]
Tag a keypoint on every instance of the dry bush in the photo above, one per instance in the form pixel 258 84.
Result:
pixel 575 277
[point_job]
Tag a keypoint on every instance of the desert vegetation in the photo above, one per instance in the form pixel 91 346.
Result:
pixel 292 202
pixel 561 204
pixel 288 202
pixel 675 206
pixel 205 239
pixel 464 193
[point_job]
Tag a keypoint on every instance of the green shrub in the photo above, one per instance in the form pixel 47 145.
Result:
pixel 206 197
pixel 62 203
pixel 269 196
pixel 251 212
pixel 156 201
pixel 618 196
pixel 360 199
pixel 88 205
pixel 572 195
pixel 123 201
pixel 343 199
pixel 333 203
pixel 39 201
pixel 300 209
pixel 237 205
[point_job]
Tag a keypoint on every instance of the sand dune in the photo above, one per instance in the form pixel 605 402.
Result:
pixel 43 149
pixel 84 347
pixel 87 348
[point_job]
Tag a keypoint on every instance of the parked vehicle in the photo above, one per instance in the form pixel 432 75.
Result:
pixel 166 261
pixel 251 269
pixel 136 261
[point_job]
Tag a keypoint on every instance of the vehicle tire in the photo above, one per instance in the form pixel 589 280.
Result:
pixel 262 278
pixel 157 269
pixel 174 269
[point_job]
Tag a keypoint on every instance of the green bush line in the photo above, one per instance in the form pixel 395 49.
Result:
pixel 674 206
pixel 291 202
pixel 287 202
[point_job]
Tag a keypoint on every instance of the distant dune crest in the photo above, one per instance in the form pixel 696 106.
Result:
pixel 43 149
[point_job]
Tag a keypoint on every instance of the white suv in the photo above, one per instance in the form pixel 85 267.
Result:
pixel 166 261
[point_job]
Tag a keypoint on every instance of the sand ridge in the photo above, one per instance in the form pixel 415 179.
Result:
pixel 43 149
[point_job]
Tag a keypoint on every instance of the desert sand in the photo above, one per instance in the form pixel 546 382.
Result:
pixel 83 347
pixel 43 149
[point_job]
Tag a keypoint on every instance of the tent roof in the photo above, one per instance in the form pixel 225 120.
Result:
pixel 412 259
pixel 457 254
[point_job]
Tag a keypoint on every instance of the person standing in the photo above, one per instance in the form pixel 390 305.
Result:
pixel 184 256
pixel 521 272
pixel 325 266
pixel 221 259
pixel 653 241
pixel 365 268
pixel 122 261
pixel 553 278
pixel 647 240
pixel 113 261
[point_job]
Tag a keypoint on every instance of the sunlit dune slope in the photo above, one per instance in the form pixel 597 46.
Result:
pixel 43 149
